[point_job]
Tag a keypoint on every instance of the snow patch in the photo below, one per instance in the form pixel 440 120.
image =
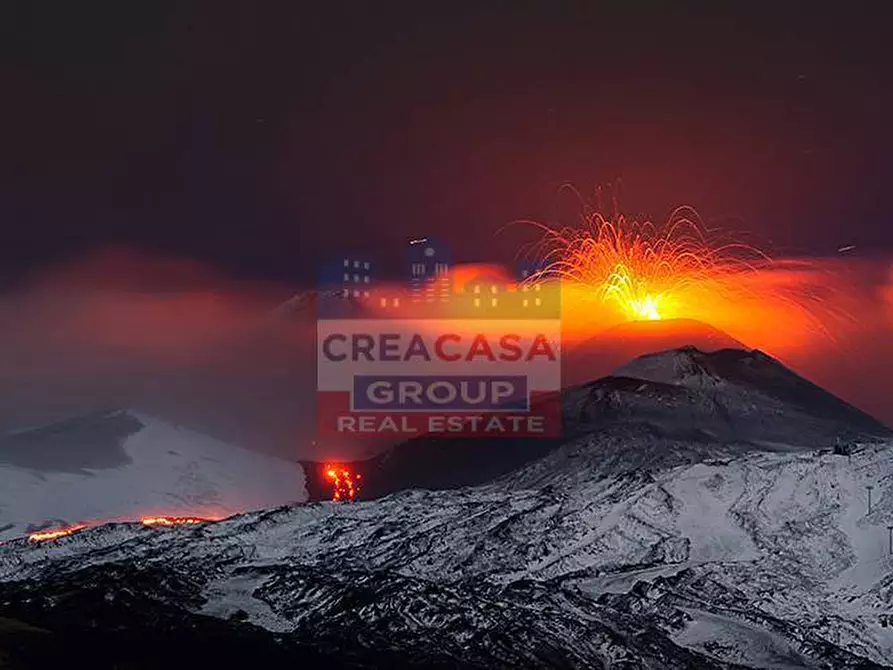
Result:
pixel 172 471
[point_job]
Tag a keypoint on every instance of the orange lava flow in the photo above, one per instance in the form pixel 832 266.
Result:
pixel 617 270
pixel 54 533
pixel 172 520
pixel 345 484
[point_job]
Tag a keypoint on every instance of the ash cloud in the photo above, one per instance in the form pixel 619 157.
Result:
pixel 169 337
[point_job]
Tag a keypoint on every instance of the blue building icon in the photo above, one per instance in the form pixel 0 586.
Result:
pixel 430 279
pixel 356 277
pixel 345 283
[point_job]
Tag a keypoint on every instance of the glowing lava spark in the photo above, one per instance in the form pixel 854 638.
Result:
pixel 172 520
pixel 616 270
pixel 54 533
pixel 345 484
pixel 645 271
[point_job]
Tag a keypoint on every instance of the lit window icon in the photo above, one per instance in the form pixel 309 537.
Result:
pixel 365 266
pixel 356 294
pixel 356 278
pixel 366 279
pixel 365 294
pixel 396 302
pixel 356 264
pixel 477 302
pixel 526 302
pixel 536 288
pixel 538 302
pixel 346 293
pixel 494 289
pixel 493 302
pixel 346 263
pixel 346 277
pixel 384 302
pixel 477 289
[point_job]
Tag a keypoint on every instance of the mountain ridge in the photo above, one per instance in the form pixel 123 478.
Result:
pixel 643 539
pixel 729 411
pixel 670 551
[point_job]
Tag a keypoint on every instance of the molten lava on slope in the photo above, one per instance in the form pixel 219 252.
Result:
pixel 173 520
pixel 345 484
pixel 152 521
pixel 54 533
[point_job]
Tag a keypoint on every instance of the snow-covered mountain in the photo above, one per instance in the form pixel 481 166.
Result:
pixel 751 381
pixel 679 406
pixel 635 544
pixel 123 465
pixel 767 561
pixel 602 353
pixel 725 396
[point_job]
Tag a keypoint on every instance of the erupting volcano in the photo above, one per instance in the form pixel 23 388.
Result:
pixel 617 270
pixel 646 272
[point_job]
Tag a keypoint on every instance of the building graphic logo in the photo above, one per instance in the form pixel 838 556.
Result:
pixel 430 279
pixel 482 359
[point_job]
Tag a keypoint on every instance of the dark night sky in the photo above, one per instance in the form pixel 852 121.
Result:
pixel 258 136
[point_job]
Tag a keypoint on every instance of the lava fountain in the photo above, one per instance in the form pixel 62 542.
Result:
pixel 619 270
pixel 345 484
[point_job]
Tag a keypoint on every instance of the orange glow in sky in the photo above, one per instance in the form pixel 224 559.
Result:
pixel 615 271
pixel 620 270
